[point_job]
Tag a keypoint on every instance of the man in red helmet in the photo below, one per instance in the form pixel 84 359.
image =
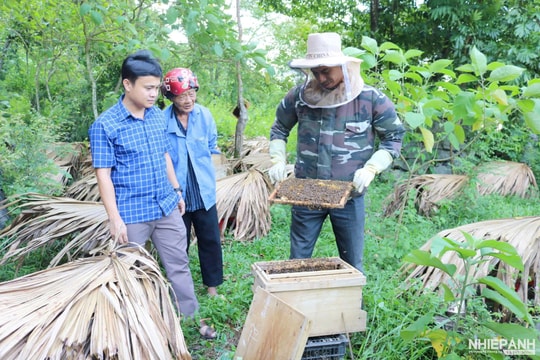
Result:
pixel 193 134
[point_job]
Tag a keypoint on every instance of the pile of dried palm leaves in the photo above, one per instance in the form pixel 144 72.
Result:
pixel 506 178
pixel 84 189
pixel 429 190
pixel 111 306
pixel 68 157
pixel 45 219
pixel 498 177
pixel 522 233
pixel 242 202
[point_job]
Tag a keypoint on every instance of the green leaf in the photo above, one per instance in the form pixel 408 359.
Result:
pixel 414 119
pixel 500 97
pixel 368 61
pixel 260 60
pixel 370 45
pixel 413 53
pixel 413 76
pixel 453 140
pixel 213 19
pixel 428 139
pixel 479 61
pixel 439 65
pixel 494 65
pixel 466 78
pixel 218 50
pixel 463 107
pixel 395 75
pixel 394 57
pixel 435 104
pixel 448 72
pixel 416 329
pixel 96 17
pixel 497 245
pixel 532 118
pixel 172 14
pixel 510 331
pixel 448 294
pixel 354 52
pixel 526 105
pixel 84 9
pixel 505 296
pixel 389 46
pixel 131 28
pixel 506 73
pixel 460 133
pixel 421 257
pixel 452 88
pixel 465 253
pixel 439 340
pixel 532 90
pixel 512 260
pixel 465 68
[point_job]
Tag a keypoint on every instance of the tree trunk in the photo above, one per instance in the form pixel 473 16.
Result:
pixel 374 16
pixel 242 117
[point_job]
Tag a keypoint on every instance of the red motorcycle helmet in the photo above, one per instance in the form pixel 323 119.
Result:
pixel 178 81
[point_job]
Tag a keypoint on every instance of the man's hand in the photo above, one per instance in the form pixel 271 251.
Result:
pixel 379 161
pixel 363 177
pixel 278 171
pixel 118 230
pixel 182 206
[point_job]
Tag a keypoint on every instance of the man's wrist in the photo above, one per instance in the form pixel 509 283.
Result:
pixel 178 189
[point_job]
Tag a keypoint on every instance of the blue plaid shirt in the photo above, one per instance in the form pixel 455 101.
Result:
pixel 135 150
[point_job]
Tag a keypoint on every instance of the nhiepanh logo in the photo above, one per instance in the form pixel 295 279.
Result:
pixel 501 345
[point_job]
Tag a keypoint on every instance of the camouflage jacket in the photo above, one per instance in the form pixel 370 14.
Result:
pixel 334 142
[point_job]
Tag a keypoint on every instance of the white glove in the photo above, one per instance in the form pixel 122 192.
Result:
pixel 379 161
pixel 277 172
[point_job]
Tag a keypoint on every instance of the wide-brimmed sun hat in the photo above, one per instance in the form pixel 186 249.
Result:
pixel 323 49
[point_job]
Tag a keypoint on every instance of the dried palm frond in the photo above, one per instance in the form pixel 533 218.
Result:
pixel 254 153
pixel 221 165
pixel 84 189
pixel 86 168
pixel 257 160
pixel 242 200
pixel 506 178
pixel 429 190
pixel 258 144
pixel 45 219
pixel 68 157
pixel 112 306
pixel 522 233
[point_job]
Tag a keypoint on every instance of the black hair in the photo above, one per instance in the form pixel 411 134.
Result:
pixel 140 63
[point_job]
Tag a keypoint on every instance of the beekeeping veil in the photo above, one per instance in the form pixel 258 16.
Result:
pixel 324 49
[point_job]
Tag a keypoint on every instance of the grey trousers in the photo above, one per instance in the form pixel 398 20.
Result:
pixel 168 235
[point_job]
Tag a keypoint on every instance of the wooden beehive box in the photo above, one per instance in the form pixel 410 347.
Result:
pixel 327 290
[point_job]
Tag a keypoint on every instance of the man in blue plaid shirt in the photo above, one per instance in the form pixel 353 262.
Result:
pixel 136 178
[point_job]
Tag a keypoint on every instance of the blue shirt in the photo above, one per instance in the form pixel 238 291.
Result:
pixel 134 149
pixel 198 144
